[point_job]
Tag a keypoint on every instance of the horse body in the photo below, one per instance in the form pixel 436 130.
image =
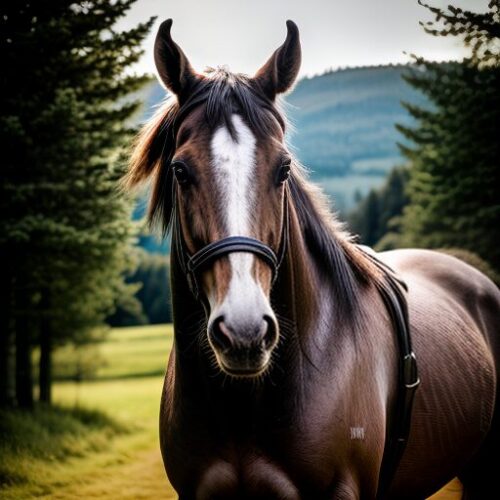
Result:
pixel 283 378
pixel 314 442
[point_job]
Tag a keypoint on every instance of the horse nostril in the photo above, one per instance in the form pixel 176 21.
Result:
pixel 270 335
pixel 220 334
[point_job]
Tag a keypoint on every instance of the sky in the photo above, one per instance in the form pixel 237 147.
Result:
pixel 242 34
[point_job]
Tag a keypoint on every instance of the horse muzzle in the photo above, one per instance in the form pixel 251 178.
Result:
pixel 243 348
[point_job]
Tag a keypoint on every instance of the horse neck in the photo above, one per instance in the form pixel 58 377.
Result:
pixel 189 315
pixel 308 303
pixel 295 292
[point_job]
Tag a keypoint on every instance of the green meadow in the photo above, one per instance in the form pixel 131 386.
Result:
pixel 101 438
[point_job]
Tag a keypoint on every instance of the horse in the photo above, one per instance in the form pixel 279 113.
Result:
pixel 283 376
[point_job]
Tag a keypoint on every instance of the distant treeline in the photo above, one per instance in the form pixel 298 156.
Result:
pixel 152 277
pixel 378 215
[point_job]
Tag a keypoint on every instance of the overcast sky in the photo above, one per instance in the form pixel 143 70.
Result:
pixel 335 33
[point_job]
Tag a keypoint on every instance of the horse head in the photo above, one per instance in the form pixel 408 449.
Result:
pixel 220 166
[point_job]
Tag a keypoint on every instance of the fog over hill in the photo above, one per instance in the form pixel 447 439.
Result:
pixel 343 126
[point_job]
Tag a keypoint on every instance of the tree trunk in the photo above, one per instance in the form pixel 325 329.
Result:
pixel 7 344
pixel 7 361
pixel 24 376
pixel 45 369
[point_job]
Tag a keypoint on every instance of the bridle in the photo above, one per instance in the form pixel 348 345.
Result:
pixel 193 264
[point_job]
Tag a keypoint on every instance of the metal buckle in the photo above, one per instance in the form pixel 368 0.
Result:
pixel 410 373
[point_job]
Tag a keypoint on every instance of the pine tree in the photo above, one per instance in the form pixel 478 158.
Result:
pixel 377 214
pixel 455 152
pixel 65 233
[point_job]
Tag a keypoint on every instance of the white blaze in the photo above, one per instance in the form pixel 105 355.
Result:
pixel 233 163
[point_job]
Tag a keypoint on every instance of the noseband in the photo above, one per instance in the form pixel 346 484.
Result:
pixel 192 264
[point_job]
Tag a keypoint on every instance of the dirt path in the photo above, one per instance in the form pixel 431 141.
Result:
pixel 142 479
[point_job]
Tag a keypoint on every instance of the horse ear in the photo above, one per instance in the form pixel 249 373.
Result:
pixel 281 69
pixel 172 65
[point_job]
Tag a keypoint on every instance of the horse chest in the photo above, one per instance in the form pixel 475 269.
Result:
pixel 287 461
pixel 259 448
pixel 247 476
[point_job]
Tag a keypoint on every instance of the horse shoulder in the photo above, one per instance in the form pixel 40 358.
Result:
pixel 445 287
pixel 464 283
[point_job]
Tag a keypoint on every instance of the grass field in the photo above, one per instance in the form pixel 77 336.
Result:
pixel 101 440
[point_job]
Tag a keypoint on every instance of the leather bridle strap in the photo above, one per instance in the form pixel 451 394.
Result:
pixel 391 291
pixel 228 245
pixel 192 264
pixel 217 249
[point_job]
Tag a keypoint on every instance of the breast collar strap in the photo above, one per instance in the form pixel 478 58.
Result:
pixel 392 290
pixel 192 264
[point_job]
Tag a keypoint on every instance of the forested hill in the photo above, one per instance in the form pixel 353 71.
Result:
pixel 343 125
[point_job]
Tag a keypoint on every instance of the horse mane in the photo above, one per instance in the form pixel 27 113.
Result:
pixel 329 242
pixel 223 94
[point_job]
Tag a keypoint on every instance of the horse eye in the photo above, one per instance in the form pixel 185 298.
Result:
pixel 284 171
pixel 181 172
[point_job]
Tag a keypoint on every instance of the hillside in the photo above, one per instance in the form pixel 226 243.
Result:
pixel 343 127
